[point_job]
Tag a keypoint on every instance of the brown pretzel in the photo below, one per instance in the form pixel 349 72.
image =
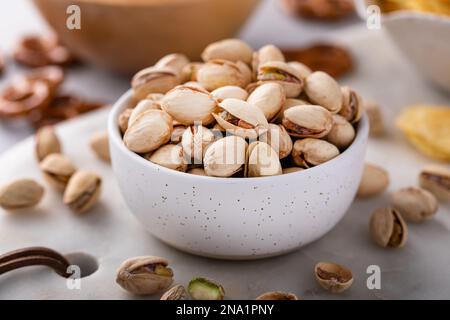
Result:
pixel 40 51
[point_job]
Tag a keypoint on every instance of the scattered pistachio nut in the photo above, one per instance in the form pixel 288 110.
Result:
pixel 307 121
pixel 233 50
pixel 284 74
pixel 169 156
pixel 144 275
pixel 225 157
pixel 188 105
pixel 414 204
pixel 262 160
pixel 388 229
pixel 375 117
pixel 323 90
pixel 82 191
pixel 205 289
pixel 149 131
pixel 270 98
pixel 277 295
pixel 177 292
pixel 99 143
pixel 333 277
pixel 57 170
pixel 20 194
pixel 436 179
pixel 342 133
pixel 47 142
pixel 374 181
pixel 311 152
pixel 352 105
pixel 154 80
pixel 241 118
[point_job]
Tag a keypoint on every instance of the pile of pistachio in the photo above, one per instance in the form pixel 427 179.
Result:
pixel 238 113
pixel 81 188
pixel 149 275
pixel 415 204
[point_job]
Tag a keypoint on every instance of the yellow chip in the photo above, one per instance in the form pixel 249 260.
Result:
pixel 428 129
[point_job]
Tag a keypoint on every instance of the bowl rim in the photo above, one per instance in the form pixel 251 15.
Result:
pixel 362 134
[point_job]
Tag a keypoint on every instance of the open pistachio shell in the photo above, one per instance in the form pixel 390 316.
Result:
pixel 233 50
pixel 241 118
pixel 169 156
pixel 205 289
pixel 57 170
pixel 307 121
pixel 282 73
pixel 149 131
pixel 289 103
pixel 177 134
pixel 266 54
pixel 311 152
pixel 82 191
pixel 189 105
pixel 225 157
pixel 436 179
pixel 352 105
pixel 219 73
pixel 303 70
pixel 177 292
pixel 229 92
pixel 277 295
pixel 262 160
pixel 323 90
pixel 333 277
pixel 144 275
pixel 153 80
pixel 270 98
pixel 388 229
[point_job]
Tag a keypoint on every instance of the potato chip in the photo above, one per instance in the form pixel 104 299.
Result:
pixel 428 129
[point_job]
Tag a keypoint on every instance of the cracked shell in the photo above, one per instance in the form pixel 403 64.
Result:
pixel 282 73
pixel 82 191
pixel 170 156
pixel 57 170
pixel 352 105
pixel 311 152
pixel 388 229
pixel 225 157
pixel 262 161
pixel 307 121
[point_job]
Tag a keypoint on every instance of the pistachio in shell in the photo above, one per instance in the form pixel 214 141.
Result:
pixel 282 73
pixel 149 131
pixel 307 121
pixel 177 292
pixel 205 289
pixel 262 160
pixel 280 141
pixel 220 73
pixel 436 179
pixel 266 54
pixel 153 80
pixel 352 105
pixel 82 191
pixel 175 61
pixel 323 90
pixel 415 204
pixel 141 107
pixel 169 156
pixel 20 194
pixel 194 141
pixel 46 142
pixel 123 120
pixel 342 133
pixel 233 50
pixel 388 229
pixel 144 275
pixel 57 170
pixel 228 92
pixel 99 143
pixel 270 98
pixel 225 157
pixel 374 181
pixel 310 152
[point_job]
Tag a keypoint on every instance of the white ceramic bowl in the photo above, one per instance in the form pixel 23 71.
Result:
pixel 423 38
pixel 236 218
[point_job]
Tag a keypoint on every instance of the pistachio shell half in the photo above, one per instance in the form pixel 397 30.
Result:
pixel 176 293
pixel 57 170
pixel 333 277
pixel 282 73
pixel 149 131
pixel 388 229
pixel 188 105
pixel 270 98
pixel 229 49
pixel 436 179
pixel 415 204
pixel 20 194
pixel 225 157
pixel 153 80
pixel 144 275
pixel 241 118
pixel 323 90
pixel 262 160
pixel 352 105
pixel 311 152
pixel 169 156
pixel 307 121
pixel 82 191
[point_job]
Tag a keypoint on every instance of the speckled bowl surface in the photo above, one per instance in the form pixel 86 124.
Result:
pixel 236 218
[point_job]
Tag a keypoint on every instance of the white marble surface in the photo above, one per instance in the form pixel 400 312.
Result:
pixel 111 234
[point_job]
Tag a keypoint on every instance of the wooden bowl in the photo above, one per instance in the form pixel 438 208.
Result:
pixel 128 35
